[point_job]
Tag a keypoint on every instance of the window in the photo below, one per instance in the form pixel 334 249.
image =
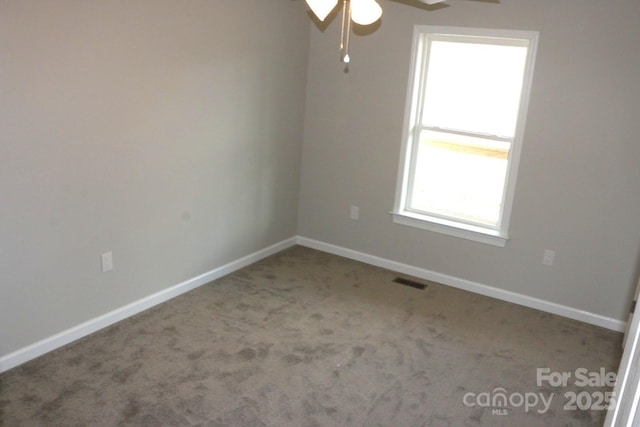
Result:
pixel 464 122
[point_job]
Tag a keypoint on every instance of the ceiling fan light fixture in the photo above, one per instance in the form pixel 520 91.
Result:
pixel 322 8
pixel 365 12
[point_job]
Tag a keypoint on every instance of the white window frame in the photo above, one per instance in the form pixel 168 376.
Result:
pixel 402 214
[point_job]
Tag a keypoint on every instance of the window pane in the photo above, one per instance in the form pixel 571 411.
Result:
pixel 460 176
pixel 474 87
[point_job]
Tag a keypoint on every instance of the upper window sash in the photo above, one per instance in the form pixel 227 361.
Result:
pixel 489 136
pixel 428 110
pixel 478 38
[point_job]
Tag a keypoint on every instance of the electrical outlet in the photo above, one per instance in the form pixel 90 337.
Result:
pixel 548 257
pixel 107 261
pixel 354 213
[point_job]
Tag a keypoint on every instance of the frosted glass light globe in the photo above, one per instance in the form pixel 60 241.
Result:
pixel 365 12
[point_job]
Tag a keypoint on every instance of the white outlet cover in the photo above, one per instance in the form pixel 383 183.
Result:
pixel 107 261
pixel 354 213
pixel 548 257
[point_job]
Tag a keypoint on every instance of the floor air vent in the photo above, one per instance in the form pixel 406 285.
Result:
pixel 410 283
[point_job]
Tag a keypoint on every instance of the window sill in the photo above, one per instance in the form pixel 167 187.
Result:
pixel 451 228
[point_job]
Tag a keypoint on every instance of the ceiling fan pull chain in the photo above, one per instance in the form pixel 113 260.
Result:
pixel 345 32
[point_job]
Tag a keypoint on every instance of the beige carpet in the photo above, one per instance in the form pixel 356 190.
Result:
pixel 304 338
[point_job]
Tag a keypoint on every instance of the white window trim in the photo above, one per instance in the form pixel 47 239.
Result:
pixel 496 236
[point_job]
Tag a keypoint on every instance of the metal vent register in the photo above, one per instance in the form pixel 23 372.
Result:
pixel 410 283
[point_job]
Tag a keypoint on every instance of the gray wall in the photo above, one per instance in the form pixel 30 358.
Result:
pixel 166 131
pixel 169 132
pixel 578 190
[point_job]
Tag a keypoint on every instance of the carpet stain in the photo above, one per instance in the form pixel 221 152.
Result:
pixel 75 361
pixel 196 354
pixel 131 409
pixel 55 404
pixel 292 359
pixel 357 351
pixel 247 354
pixel 123 375
pixel 318 352
pixel 95 366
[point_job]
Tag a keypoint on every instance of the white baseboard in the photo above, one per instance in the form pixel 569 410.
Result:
pixel 46 345
pixel 467 285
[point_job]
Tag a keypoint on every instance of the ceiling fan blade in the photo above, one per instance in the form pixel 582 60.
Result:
pixel 322 8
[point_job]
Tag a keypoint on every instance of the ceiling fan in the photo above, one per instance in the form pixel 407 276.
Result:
pixel 361 12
